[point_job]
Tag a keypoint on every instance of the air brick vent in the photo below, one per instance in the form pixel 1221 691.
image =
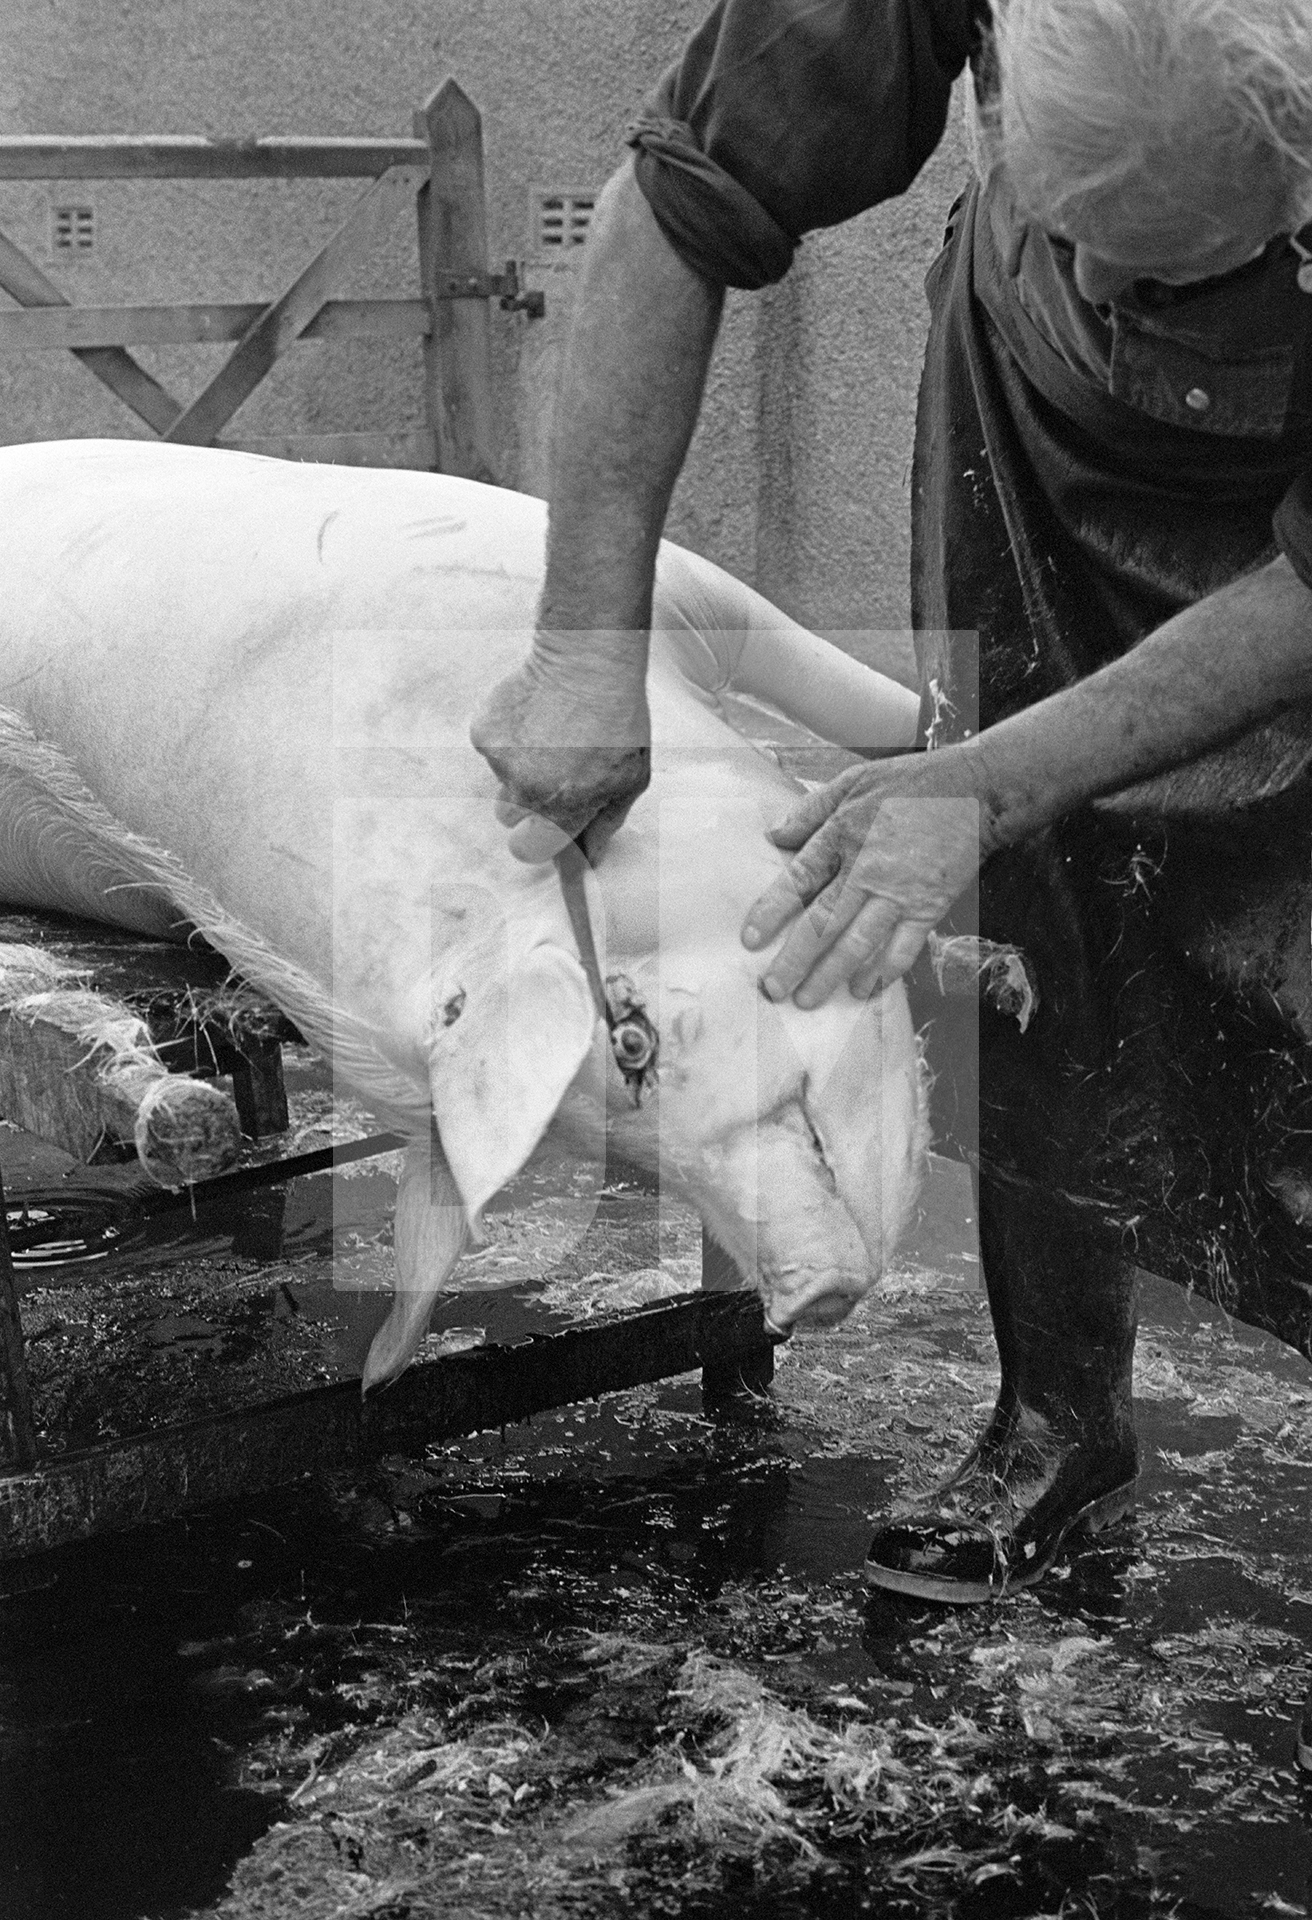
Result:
pixel 72 229
pixel 561 219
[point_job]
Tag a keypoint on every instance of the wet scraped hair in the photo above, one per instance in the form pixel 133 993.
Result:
pixel 54 829
pixel 1147 107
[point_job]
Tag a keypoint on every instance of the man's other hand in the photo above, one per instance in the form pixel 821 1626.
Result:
pixel 881 854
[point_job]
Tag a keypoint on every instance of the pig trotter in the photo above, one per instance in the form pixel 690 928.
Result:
pixel 1058 1457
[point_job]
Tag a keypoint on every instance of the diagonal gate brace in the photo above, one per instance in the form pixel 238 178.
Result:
pixel 24 282
pixel 284 322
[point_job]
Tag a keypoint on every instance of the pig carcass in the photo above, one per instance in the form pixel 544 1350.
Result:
pixel 234 697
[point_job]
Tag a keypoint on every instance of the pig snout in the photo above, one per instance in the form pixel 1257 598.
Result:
pixel 812 1298
pixel 864 1114
pixel 816 1293
pixel 775 1208
pixel 799 1136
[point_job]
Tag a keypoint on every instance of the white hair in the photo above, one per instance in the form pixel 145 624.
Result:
pixel 1164 111
pixel 60 844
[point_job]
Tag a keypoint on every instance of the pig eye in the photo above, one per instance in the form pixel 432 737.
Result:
pixel 634 1043
pixel 633 1046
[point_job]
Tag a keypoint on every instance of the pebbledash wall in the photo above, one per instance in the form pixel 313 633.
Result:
pixel 798 478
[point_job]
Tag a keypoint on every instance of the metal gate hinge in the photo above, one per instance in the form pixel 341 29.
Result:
pixel 504 287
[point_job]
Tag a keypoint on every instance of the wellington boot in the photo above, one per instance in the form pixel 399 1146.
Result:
pixel 1058 1456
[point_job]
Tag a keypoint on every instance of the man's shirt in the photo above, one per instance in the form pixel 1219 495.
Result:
pixel 782 116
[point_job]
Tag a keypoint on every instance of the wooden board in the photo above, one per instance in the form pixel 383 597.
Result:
pixel 178 1468
pixel 66 328
pixel 116 960
pixel 154 1476
pixel 145 156
pixel 150 975
pixel 176 990
pixel 62 1085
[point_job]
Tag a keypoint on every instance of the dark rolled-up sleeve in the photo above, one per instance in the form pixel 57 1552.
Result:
pixel 786 115
pixel 1293 527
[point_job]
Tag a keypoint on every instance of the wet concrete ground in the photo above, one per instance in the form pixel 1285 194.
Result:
pixel 621 1660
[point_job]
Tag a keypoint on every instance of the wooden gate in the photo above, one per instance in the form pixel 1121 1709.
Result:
pixel 441 170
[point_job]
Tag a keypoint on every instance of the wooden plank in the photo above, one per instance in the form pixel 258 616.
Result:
pixel 195 157
pixel 453 239
pixel 17 1426
pixel 414 448
pixel 116 957
pixel 170 984
pixel 370 319
pixel 178 1468
pixel 67 328
pixel 200 1019
pixel 288 317
pixel 24 281
pixel 77 1069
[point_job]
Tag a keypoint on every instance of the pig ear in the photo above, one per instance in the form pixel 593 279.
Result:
pixel 428 1236
pixel 500 1069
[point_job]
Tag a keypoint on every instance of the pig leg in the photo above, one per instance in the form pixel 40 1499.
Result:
pixel 429 1235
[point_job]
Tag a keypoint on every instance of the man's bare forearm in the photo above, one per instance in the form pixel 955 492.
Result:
pixel 1201 679
pixel 888 857
pixel 632 384
pixel 568 734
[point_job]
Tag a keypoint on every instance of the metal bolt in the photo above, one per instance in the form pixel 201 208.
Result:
pixel 632 1042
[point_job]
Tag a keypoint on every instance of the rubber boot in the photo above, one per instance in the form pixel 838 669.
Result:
pixel 1058 1456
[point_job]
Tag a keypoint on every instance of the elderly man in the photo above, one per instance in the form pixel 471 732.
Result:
pixel 1112 528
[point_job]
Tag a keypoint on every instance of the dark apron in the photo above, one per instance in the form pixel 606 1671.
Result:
pixel 1164 1088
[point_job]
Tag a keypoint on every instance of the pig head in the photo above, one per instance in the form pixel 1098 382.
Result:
pixel 799 1137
